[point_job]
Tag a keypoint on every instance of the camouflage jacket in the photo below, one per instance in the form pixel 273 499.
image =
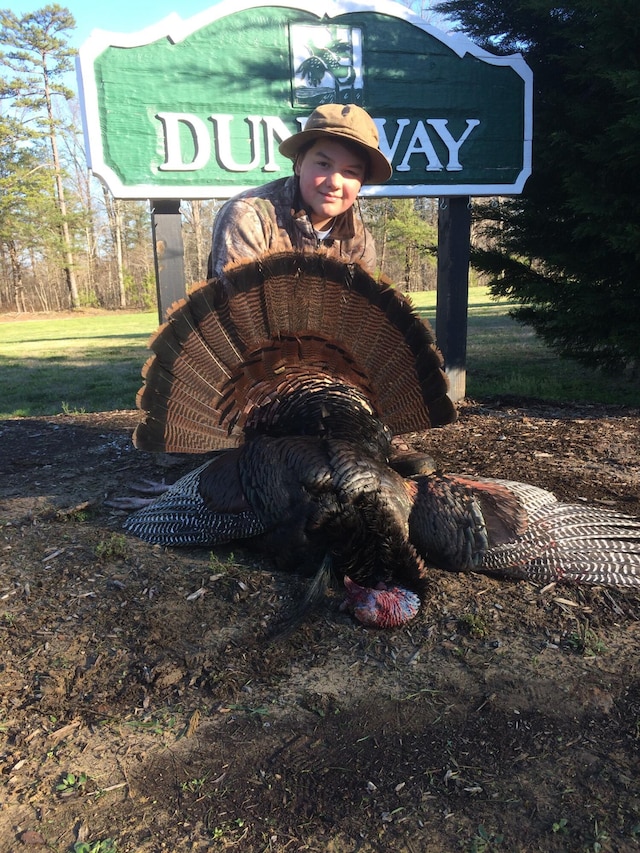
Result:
pixel 271 219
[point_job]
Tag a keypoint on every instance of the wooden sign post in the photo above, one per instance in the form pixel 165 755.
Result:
pixel 168 253
pixel 454 232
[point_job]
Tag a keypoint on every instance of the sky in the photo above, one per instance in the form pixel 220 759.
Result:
pixel 119 16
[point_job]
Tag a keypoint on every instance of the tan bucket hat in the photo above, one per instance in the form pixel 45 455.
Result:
pixel 344 123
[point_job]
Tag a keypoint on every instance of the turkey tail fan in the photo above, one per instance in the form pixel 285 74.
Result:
pixel 240 345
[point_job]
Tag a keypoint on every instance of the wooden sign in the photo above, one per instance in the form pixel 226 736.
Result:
pixel 197 108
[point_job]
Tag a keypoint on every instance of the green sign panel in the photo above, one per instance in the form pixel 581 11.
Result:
pixel 197 108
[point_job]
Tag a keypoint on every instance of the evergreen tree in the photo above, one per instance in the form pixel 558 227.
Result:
pixel 568 249
pixel 37 52
pixel 406 235
pixel 26 199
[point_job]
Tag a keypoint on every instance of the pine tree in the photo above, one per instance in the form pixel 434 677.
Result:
pixel 568 249
pixel 37 52
pixel 26 198
pixel 405 232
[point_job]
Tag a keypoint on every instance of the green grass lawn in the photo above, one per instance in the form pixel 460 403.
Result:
pixel 92 363
pixel 89 363
pixel 506 358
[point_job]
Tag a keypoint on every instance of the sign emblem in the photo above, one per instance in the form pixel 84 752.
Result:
pixel 327 63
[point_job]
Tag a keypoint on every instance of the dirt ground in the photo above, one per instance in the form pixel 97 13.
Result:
pixel 505 717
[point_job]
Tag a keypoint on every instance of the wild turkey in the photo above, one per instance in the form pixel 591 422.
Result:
pixel 305 369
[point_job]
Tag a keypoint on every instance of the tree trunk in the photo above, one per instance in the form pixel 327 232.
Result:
pixel 383 254
pixel 117 209
pixel 407 268
pixel 16 275
pixel 69 265
pixel 196 211
pixel 114 215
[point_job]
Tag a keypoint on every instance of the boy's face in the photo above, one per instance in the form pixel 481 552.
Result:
pixel 330 179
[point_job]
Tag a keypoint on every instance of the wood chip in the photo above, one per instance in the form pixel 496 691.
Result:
pixel 62 733
pixel 197 594
pixel 192 725
pixel 53 555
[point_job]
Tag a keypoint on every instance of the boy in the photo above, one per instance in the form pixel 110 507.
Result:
pixel 312 210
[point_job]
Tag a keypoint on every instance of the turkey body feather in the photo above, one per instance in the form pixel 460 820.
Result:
pixel 297 371
pixel 296 499
pixel 301 498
